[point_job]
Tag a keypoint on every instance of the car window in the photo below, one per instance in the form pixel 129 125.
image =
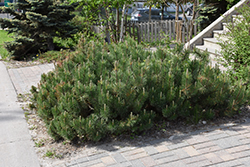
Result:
pixel 142 11
pixel 164 13
pixel 136 12
pixel 153 12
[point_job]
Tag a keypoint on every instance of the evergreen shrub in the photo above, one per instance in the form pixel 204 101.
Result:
pixel 102 90
pixel 35 24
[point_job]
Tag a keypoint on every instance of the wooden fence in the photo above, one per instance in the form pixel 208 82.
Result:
pixel 157 30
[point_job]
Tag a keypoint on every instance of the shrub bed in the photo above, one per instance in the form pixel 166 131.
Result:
pixel 235 51
pixel 110 89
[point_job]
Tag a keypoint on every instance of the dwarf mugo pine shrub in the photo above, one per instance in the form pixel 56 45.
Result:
pixel 110 89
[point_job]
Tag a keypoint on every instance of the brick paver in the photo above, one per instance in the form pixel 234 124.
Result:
pixel 148 161
pixel 108 160
pixel 223 145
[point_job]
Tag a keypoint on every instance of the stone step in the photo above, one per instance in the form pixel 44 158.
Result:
pixel 214 56
pixel 215 52
pixel 236 18
pixel 212 43
pixel 220 35
pixel 225 26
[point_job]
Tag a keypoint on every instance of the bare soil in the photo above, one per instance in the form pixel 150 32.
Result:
pixel 9 63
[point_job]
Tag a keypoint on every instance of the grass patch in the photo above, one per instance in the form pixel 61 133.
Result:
pixel 40 143
pixel 49 154
pixel 4 37
pixel 52 154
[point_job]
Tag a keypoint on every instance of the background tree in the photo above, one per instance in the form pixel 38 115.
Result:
pixel 35 27
pixel 151 3
pixel 105 13
pixel 220 6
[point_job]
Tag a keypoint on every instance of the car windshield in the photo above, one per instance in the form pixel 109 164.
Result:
pixel 153 12
pixel 138 10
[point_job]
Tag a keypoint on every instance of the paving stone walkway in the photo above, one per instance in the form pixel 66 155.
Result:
pixel 23 78
pixel 224 145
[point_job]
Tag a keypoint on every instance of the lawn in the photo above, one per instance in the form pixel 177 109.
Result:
pixel 4 37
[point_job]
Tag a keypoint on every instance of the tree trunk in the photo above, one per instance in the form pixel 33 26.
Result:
pixel 123 11
pixel 109 32
pixel 177 10
pixel 50 44
pixel 117 24
pixel 183 12
pixel 162 11
pixel 191 24
pixel 149 19
pixel 197 14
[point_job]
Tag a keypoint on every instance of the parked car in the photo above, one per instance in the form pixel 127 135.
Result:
pixel 142 15
pixel 128 11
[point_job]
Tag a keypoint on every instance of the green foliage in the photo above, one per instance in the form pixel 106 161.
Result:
pixel 26 114
pixel 236 50
pixel 37 25
pixel 51 56
pixel 102 90
pixel 68 43
pixel 79 22
pixel 49 154
pixel 40 143
pixel 52 154
pixel 154 43
pixel 96 13
pixel 231 3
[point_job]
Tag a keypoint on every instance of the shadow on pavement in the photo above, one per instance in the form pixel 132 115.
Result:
pixel 177 137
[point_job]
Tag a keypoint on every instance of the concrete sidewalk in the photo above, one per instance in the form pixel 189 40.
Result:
pixel 16 147
pixel 223 145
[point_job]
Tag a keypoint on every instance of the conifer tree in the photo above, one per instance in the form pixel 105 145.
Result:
pixel 35 26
